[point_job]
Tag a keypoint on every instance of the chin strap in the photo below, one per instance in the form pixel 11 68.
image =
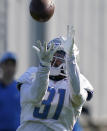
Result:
pixel 56 71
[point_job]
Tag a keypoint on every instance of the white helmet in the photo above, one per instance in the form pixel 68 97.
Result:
pixel 61 69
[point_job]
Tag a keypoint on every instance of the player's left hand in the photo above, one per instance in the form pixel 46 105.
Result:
pixel 69 42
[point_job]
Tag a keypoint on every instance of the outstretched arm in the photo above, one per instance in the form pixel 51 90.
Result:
pixel 35 81
pixel 42 76
pixel 78 94
pixel 40 84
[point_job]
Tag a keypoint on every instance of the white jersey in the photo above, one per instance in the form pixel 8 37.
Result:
pixel 51 106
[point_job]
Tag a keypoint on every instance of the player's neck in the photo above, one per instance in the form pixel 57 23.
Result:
pixel 57 78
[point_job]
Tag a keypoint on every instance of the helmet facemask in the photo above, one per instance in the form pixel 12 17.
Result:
pixel 60 70
pixel 58 66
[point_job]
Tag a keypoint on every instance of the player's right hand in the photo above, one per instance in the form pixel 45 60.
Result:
pixel 45 54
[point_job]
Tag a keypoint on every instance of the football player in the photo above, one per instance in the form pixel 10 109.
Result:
pixel 52 95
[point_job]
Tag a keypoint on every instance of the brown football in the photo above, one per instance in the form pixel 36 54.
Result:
pixel 42 10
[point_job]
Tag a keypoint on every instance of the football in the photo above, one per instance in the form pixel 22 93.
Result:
pixel 41 10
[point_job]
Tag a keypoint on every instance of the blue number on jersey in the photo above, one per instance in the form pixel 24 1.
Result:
pixel 47 104
pixel 60 103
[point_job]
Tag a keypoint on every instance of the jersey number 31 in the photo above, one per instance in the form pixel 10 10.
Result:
pixel 48 102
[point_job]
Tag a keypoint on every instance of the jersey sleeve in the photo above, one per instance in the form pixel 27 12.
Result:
pixel 34 83
pixel 78 93
pixel 87 86
pixel 40 84
pixel 25 82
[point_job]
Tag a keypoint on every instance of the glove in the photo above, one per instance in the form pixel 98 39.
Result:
pixel 45 54
pixel 68 43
